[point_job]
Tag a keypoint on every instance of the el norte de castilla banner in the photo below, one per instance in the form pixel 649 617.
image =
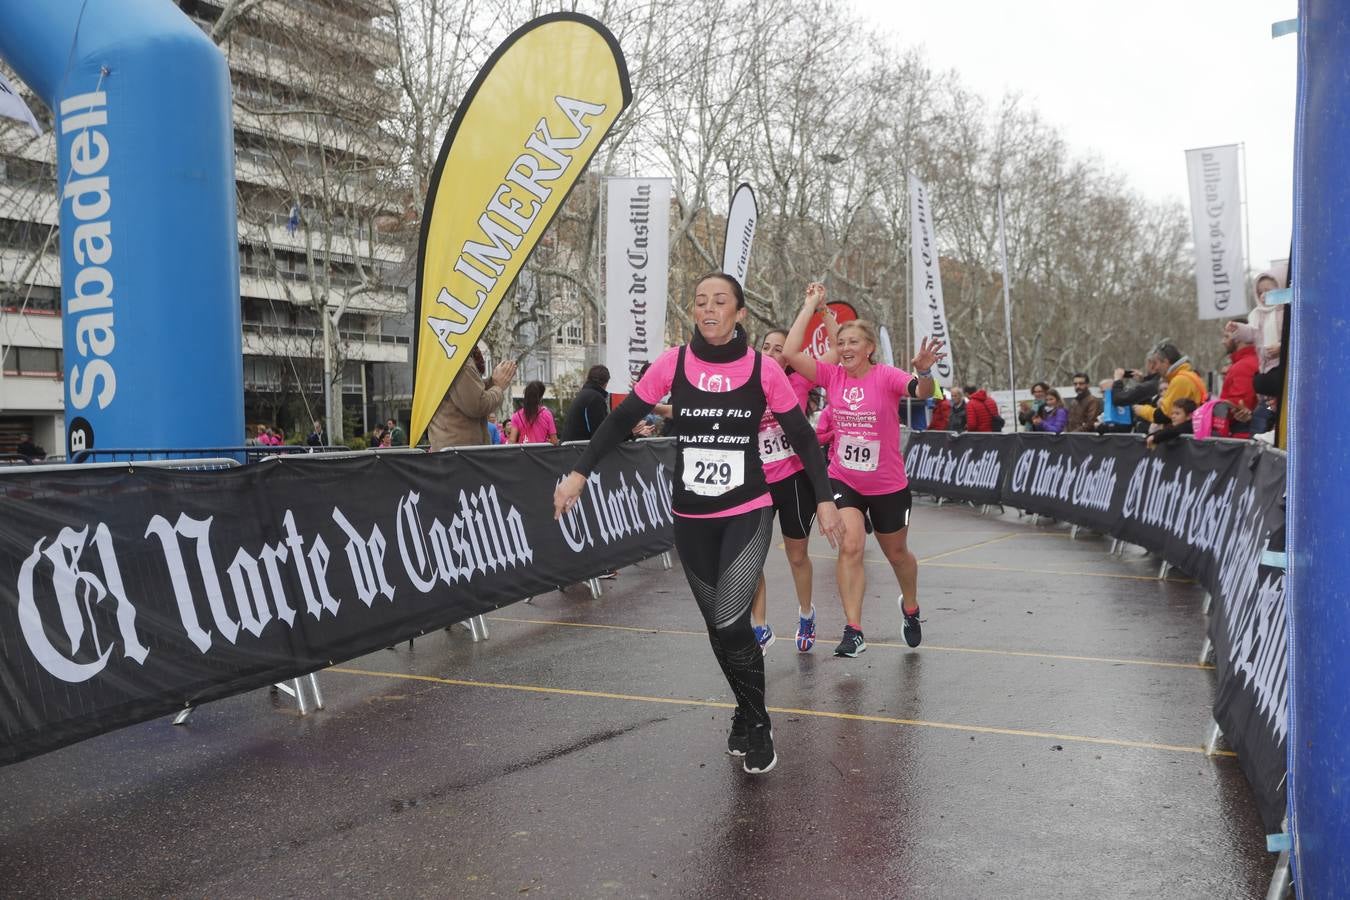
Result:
pixel 930 315
pixel 1216 226
pixel 637 263
pixel 740 237
pixel 130 593
pixel 524 133
pixel 1210 508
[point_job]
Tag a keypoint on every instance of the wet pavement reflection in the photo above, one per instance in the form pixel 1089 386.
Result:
pixel 1043 742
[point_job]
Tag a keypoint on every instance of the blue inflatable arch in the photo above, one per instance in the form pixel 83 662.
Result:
pixel 149 244
pixel 1319 457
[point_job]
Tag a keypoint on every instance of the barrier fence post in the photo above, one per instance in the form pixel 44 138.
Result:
pixel 1212 740
pixel 1281 878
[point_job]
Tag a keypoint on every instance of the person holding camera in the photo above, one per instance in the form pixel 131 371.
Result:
pixel 1029 410
pixel 1135 386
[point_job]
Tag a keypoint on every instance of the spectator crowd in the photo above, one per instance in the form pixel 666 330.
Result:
pixel 1163 399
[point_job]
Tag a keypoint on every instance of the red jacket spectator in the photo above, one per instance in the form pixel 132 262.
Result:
pixel 942 415
pixel 1237 384
pixel 980 411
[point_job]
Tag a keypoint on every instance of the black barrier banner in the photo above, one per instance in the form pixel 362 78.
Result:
pixel 130 593
pixel 1210 508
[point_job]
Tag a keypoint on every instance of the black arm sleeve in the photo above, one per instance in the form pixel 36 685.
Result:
pixel 613 431
pixel 803 439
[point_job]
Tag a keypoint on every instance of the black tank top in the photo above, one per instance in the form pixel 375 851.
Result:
pixel 717 466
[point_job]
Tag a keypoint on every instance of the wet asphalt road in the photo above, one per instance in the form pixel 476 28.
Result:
pixel 1044 742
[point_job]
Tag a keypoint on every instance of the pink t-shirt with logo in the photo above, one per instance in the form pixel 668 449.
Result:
pixel 540 431
pixel 716 378
pixel 866 417
pixel 780 461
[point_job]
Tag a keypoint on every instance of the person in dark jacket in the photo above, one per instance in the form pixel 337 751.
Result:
pixel 1133 387
pixel 957 422
pixel 589 407
pixel 1180 415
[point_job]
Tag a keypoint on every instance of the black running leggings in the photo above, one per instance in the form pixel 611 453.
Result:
pixel 722 559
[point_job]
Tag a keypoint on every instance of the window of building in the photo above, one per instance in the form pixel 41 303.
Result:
pixel 39 300
pixel 33 362
pixel 570 333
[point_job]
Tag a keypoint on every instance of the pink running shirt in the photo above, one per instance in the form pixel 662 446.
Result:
pixel 538 432
pixel 780 461
pixel 866 416
pixel 715 378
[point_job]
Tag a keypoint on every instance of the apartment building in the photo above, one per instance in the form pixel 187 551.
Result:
pixel 323 227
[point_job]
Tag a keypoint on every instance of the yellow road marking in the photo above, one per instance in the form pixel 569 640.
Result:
pixel 972 546
pixel 815 713
pixel 1025 653
pixel 988 568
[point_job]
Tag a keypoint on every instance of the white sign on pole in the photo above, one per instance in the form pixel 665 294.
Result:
pixel 887 355
pixel 741 219
pixel 1216 224
pixel 637 259
pixel 930 316
pixel 13 107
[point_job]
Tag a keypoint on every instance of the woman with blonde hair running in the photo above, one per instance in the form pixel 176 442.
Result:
pixel 866 467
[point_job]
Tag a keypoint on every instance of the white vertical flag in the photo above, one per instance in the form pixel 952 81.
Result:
pixel 13 107
pixel 930 316
pixel 1216 224
pixel 741 219
pixel 637 258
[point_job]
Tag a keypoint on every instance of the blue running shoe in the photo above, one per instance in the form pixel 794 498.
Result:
pixel 764 637
pixel 806 631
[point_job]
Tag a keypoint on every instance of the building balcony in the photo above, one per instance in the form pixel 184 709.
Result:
pixel 315 130
pixel 14 267
pixel 268 285
pixel 262 339
pixel 377 45
pixel 29 203
pixel 31 329
pixel 32 394
pixel 336 247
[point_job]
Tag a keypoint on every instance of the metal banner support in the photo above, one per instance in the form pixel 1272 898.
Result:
pixel 294 688
pixel 594 585
pixel 1280 879
pixel 477 626
pixel 1212 740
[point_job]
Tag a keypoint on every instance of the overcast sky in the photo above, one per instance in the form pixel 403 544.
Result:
pixel 1134 83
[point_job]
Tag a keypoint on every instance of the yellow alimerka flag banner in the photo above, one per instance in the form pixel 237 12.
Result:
pixel 524 133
